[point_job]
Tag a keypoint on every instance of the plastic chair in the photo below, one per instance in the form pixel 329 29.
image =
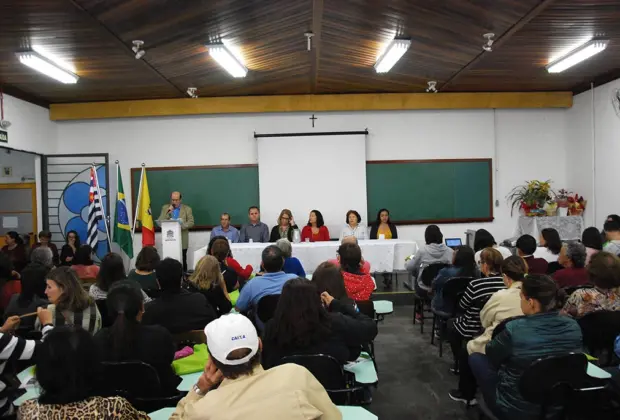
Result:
pixel 367 308
pixel 502 325
pixel 421 296
pixel 139 383
pixel 452 292
pixel 600 330
pixel 340 385
pixel 267 307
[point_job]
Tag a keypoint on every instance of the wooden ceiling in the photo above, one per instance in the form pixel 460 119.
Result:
pixel 446 39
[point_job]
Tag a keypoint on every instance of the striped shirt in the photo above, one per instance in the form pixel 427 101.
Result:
pixel 468 324
pixel 89 318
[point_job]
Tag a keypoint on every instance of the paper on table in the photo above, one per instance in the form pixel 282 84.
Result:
pixel 10 222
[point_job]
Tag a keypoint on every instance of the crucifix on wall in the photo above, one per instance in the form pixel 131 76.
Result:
pixel 313 118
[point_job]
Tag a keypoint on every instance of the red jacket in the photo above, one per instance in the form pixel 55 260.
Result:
pixel 244 273
pixel 323 235
pixel 568 277
pixel 358 286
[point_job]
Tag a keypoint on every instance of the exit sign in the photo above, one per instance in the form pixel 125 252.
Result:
pixel 4 136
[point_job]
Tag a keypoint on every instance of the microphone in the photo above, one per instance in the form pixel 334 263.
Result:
pixel 170 208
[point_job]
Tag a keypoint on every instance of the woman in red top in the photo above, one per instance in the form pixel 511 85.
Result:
pixel 243 273
pixel 315 230
pixel 359 285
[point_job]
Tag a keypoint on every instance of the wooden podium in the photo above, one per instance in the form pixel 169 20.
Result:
pixel 171 244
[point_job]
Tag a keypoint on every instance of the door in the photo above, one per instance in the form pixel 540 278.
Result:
pixel 18 210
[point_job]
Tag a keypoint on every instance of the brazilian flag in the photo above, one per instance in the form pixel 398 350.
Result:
pixel 122 228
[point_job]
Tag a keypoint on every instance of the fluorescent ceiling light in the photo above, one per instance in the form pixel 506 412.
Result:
pixel 394 51
pixel 225 58
pixel 41 64
pixel 576 56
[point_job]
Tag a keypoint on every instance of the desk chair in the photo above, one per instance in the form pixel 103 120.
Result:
pixel 367 308
pixel 139 383
pixel 267 307
pixel 421 296
pixel 452 292
pixel 600 330
pixel 340 385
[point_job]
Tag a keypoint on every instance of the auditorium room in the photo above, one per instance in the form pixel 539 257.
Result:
pixel 310 209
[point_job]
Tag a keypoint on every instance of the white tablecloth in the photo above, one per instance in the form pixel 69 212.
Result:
pixel 569 227
pixel 383 255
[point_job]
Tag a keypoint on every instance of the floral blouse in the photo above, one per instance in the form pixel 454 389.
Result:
pixel 584 301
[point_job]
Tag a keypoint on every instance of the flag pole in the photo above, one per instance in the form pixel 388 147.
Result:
pixel 137 205
pixel 105 219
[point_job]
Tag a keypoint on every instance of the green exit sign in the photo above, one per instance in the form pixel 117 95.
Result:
pixel 4 136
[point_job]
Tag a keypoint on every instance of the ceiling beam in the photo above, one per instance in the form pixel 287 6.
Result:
pixel 127 49
pixel 317 23
pixel 537 10
pixel 309 103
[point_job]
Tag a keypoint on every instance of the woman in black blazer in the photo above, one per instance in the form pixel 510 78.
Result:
pixel 285 227
pixel 384 226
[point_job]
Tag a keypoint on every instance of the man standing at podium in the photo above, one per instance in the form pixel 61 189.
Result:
pixel 176 210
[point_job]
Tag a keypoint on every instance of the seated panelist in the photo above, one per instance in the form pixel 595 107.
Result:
pixel 354 226
pixel 315 230
pixel 285 228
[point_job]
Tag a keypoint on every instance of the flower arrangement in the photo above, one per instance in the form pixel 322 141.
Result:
pixel 576 205
pixel 561 198
pixel 530 197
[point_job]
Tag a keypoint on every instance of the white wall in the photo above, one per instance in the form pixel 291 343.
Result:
pixel 530 144
pixel 596 180
pixel 31 129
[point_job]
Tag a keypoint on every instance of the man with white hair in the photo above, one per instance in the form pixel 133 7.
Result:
pixel 244 390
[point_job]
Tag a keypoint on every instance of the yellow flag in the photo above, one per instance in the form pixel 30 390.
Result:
pixel 145 216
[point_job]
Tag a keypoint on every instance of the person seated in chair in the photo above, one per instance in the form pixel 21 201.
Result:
pixel 306 323
pixel 542 332
pixel 604 273
pixel 328 278
pixel 291 264
pixel 573 259
pixel 208 280
pixel 435 251
pixel 177 310
pixel 235 386
pixel 128 340
pixel 463 265
pixel 221 251
pixel 483 239
pixel 112 270
pixel 243 273
pixel 83 263
pixel 591 239
pixel 526 247
pixel 144 273
pixel 359 285
pixel 612 236
pixel 351 240
pixel 45 241
pixel 550 245
pixel 31 297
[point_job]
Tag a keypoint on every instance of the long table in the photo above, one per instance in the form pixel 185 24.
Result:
pixel 383 255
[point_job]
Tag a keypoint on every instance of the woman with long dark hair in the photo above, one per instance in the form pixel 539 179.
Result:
pixel 112 270
pixel 328 278
pixel 83 263
pixel 315 230
pixel 243 273
pixel 308 323
pixel 383 226
pixel 15 250
pixel 31 296
pixel 359 284
pixel 463 265
pixel 483 239
pixel 128 339
pixel 72 244
pixel 550 245
pixel 68 370
pixel 592 240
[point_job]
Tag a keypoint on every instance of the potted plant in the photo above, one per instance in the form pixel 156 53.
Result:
pixel 530 197
pixel 561 198
pixel 551 207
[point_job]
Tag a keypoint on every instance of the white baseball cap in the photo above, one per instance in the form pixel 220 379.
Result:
pixel 228 333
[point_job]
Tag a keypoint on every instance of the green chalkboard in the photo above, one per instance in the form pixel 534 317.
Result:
pixel 208 190
pixel 431 191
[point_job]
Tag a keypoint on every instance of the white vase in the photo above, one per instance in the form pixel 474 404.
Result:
pixel 563 211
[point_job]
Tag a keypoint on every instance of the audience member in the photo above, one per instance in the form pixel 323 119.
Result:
pixel 612 234
pixel 593 242
pixel 270 283
pixel 221 251
pixel 359 285
pixel 353 226
pixel 225 229
pixel 435 251
pixel 144 273
pixel 573 259
pixel 351 240
pixel 15 250
pixel 308 323
pixel 9 281
pixel 31 297
pixel 243 273
pixel 315 230
pixel 42 256
pixel 285 227
pixel 483 239
pixel 68 371
pixel 291 264
pixel 128 340
pixel 69 302
pixel 67 253
pixel 463 265
pixel 383 226
pixel 255 231
pixel 526 246
pixel 466 326
pixel 14 348
pixel 245 390
pixel 328 278
pixel 550 245
pixel 177 310
pixel 45 241
pixel 83 263
pixel 541 333
pixel 112 270
pixel 207 279
pixel 604 274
